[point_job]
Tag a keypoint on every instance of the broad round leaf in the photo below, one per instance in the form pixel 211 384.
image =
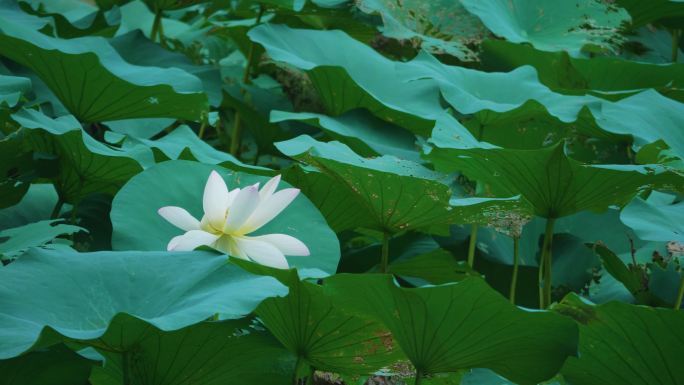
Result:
pixel 396 194
pixel 309 324
pixel 138 226
pixel 625 344
pixel 552 25
pixel 555 184
pixel 459 326
pixel 56 366
pixel 95 84
pixel 208 353
pixel 78 294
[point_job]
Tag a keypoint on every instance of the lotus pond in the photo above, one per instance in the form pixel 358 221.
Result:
pixel 292 192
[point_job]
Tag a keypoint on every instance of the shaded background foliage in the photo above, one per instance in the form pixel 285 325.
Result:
pixel 491 190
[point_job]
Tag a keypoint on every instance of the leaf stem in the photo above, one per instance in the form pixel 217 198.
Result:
pixel 471 245
pixel 680 294
pixel 419 377
pixel 235 136
pixel 57 209
pixel 384 257
pixel 156 24
pixel 300 366
pixel 162 39
pixel 203 126
pixel 676 34
pixel 250 52
pixel 516 260
pixel 545 266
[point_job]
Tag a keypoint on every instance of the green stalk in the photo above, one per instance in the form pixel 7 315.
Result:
pixel 545 284
pixel 680 294
pixel 203 127
pixel 256 157
pixel 676 34
pixel 540 280
pixel 300 367
pixel 235 136
pixel 156 24
pixel 162 39
pixel 419 377
pixel 471 245
pixel 57 209
pixel 384 258
pixel 516 260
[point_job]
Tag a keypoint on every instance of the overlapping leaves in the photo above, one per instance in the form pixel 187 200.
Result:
pixel 429 140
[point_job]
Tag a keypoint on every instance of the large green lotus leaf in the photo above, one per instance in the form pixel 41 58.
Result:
pixel 15 241
pixel 77 294
pixel 338 67
pixel 10 9
pixel 665 11
pixel 35 206
pixel 470 91
pixel 136 49
pixel 139 128
pixel 73 18
pixel 530 127
pixel 340 209
pixel 553 26
pixel 554 184
pixel 363 133
pixel 343 82
pixel 648 117
pixel 655 221
pixel 138 226
pixel 460 326
pixel 624 344
pixel 563 73
pixel 55 366
pixel 12 88
pixel 441 27
pixel 310 325
pixel 84 165
pixel 396 194
pixel 210 353
pixel 136 15
pixel 183 143
pixel 95 84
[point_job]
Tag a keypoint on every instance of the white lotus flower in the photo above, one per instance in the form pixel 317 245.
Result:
pixel 230 215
